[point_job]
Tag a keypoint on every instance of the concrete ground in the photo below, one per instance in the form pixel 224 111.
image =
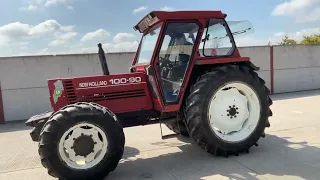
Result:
pixel 291 150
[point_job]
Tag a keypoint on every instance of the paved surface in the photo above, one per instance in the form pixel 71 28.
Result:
pixel 291 150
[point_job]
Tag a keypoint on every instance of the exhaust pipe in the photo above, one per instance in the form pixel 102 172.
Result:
pixel 103 60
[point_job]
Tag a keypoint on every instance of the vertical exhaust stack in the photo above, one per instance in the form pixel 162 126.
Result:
pixel 103 60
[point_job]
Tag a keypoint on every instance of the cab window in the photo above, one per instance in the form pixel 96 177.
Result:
pixel 216 40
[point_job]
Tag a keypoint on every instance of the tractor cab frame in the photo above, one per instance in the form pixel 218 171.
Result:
pixel 174 43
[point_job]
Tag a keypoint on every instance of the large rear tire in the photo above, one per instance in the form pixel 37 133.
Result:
pixel 81 141
pixel 227 110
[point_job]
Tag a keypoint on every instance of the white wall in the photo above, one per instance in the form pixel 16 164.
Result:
pixel 24 79
pixel 25 93
pixel 296 68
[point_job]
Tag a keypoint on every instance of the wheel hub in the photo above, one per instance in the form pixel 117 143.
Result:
pixel 83 145
pixel 234 111
pixel 235 104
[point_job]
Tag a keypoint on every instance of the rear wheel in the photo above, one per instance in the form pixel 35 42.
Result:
pixel 227 110
pixel 81 141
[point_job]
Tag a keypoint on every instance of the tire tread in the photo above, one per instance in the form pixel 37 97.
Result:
pixel 59 118
pixel 194 101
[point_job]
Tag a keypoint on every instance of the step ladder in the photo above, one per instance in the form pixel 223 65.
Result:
pixel 170 120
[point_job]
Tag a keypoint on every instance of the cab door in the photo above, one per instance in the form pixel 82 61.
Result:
pixel 174 56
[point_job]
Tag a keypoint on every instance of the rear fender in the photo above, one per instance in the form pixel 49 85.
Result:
pixel 37 122
pixel 251 65
pixel 39 118
pixel 220 61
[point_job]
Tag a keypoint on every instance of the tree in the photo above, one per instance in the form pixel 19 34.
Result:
pixel 287 41
pixel 313 39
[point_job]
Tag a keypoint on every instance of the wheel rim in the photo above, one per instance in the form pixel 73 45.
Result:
pixel 234 112
pixel 83 146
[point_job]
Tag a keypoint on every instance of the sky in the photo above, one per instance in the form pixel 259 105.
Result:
pixel 35 27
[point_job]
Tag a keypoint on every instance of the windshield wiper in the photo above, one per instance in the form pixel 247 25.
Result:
pixel 240 32
pixel 234 33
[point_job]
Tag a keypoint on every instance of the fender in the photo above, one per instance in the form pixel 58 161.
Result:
pixel 233 60
pixel 37 122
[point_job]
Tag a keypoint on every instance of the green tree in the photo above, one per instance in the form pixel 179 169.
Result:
pixel 313 39
pixel 287 41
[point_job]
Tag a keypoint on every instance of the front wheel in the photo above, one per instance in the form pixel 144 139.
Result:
pixel 227 109
pixel 81 141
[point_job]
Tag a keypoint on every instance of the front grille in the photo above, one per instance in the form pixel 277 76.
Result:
pixel 71 95
pixel 73 98
pixel 112 95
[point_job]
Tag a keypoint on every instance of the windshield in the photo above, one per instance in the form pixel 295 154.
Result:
pixel 218 36
pixel 217 40
pixel 148 44
pixel 241 28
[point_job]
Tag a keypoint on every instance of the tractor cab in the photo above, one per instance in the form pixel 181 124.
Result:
pixel 173 42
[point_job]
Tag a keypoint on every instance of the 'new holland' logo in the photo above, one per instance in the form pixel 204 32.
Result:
pixel 93 84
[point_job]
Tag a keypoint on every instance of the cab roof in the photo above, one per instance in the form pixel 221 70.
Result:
pixel 157 16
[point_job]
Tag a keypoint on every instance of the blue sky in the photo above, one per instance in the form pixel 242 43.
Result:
pixel 30 27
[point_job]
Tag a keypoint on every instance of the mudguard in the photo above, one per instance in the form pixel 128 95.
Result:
pixel 37 122
pixel 34 120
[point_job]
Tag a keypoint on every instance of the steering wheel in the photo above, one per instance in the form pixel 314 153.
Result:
pixel 165 66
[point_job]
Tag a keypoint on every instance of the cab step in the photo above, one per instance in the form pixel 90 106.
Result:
pixel 168 136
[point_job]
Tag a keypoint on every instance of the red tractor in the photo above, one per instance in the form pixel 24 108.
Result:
pixel 187 73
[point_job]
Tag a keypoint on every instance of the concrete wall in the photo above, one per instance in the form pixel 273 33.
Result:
pixel 25 93
pixel 24 79
pixel 296 68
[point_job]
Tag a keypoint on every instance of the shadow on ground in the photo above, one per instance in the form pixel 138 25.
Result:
pixel 272 158
pixel 13 126
pixel 293 95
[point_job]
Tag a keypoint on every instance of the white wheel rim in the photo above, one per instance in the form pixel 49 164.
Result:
pixel 234 112
pixel 68 154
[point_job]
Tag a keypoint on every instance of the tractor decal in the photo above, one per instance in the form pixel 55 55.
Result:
pixel 110 82
pixel 93 84
pixel 58 89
